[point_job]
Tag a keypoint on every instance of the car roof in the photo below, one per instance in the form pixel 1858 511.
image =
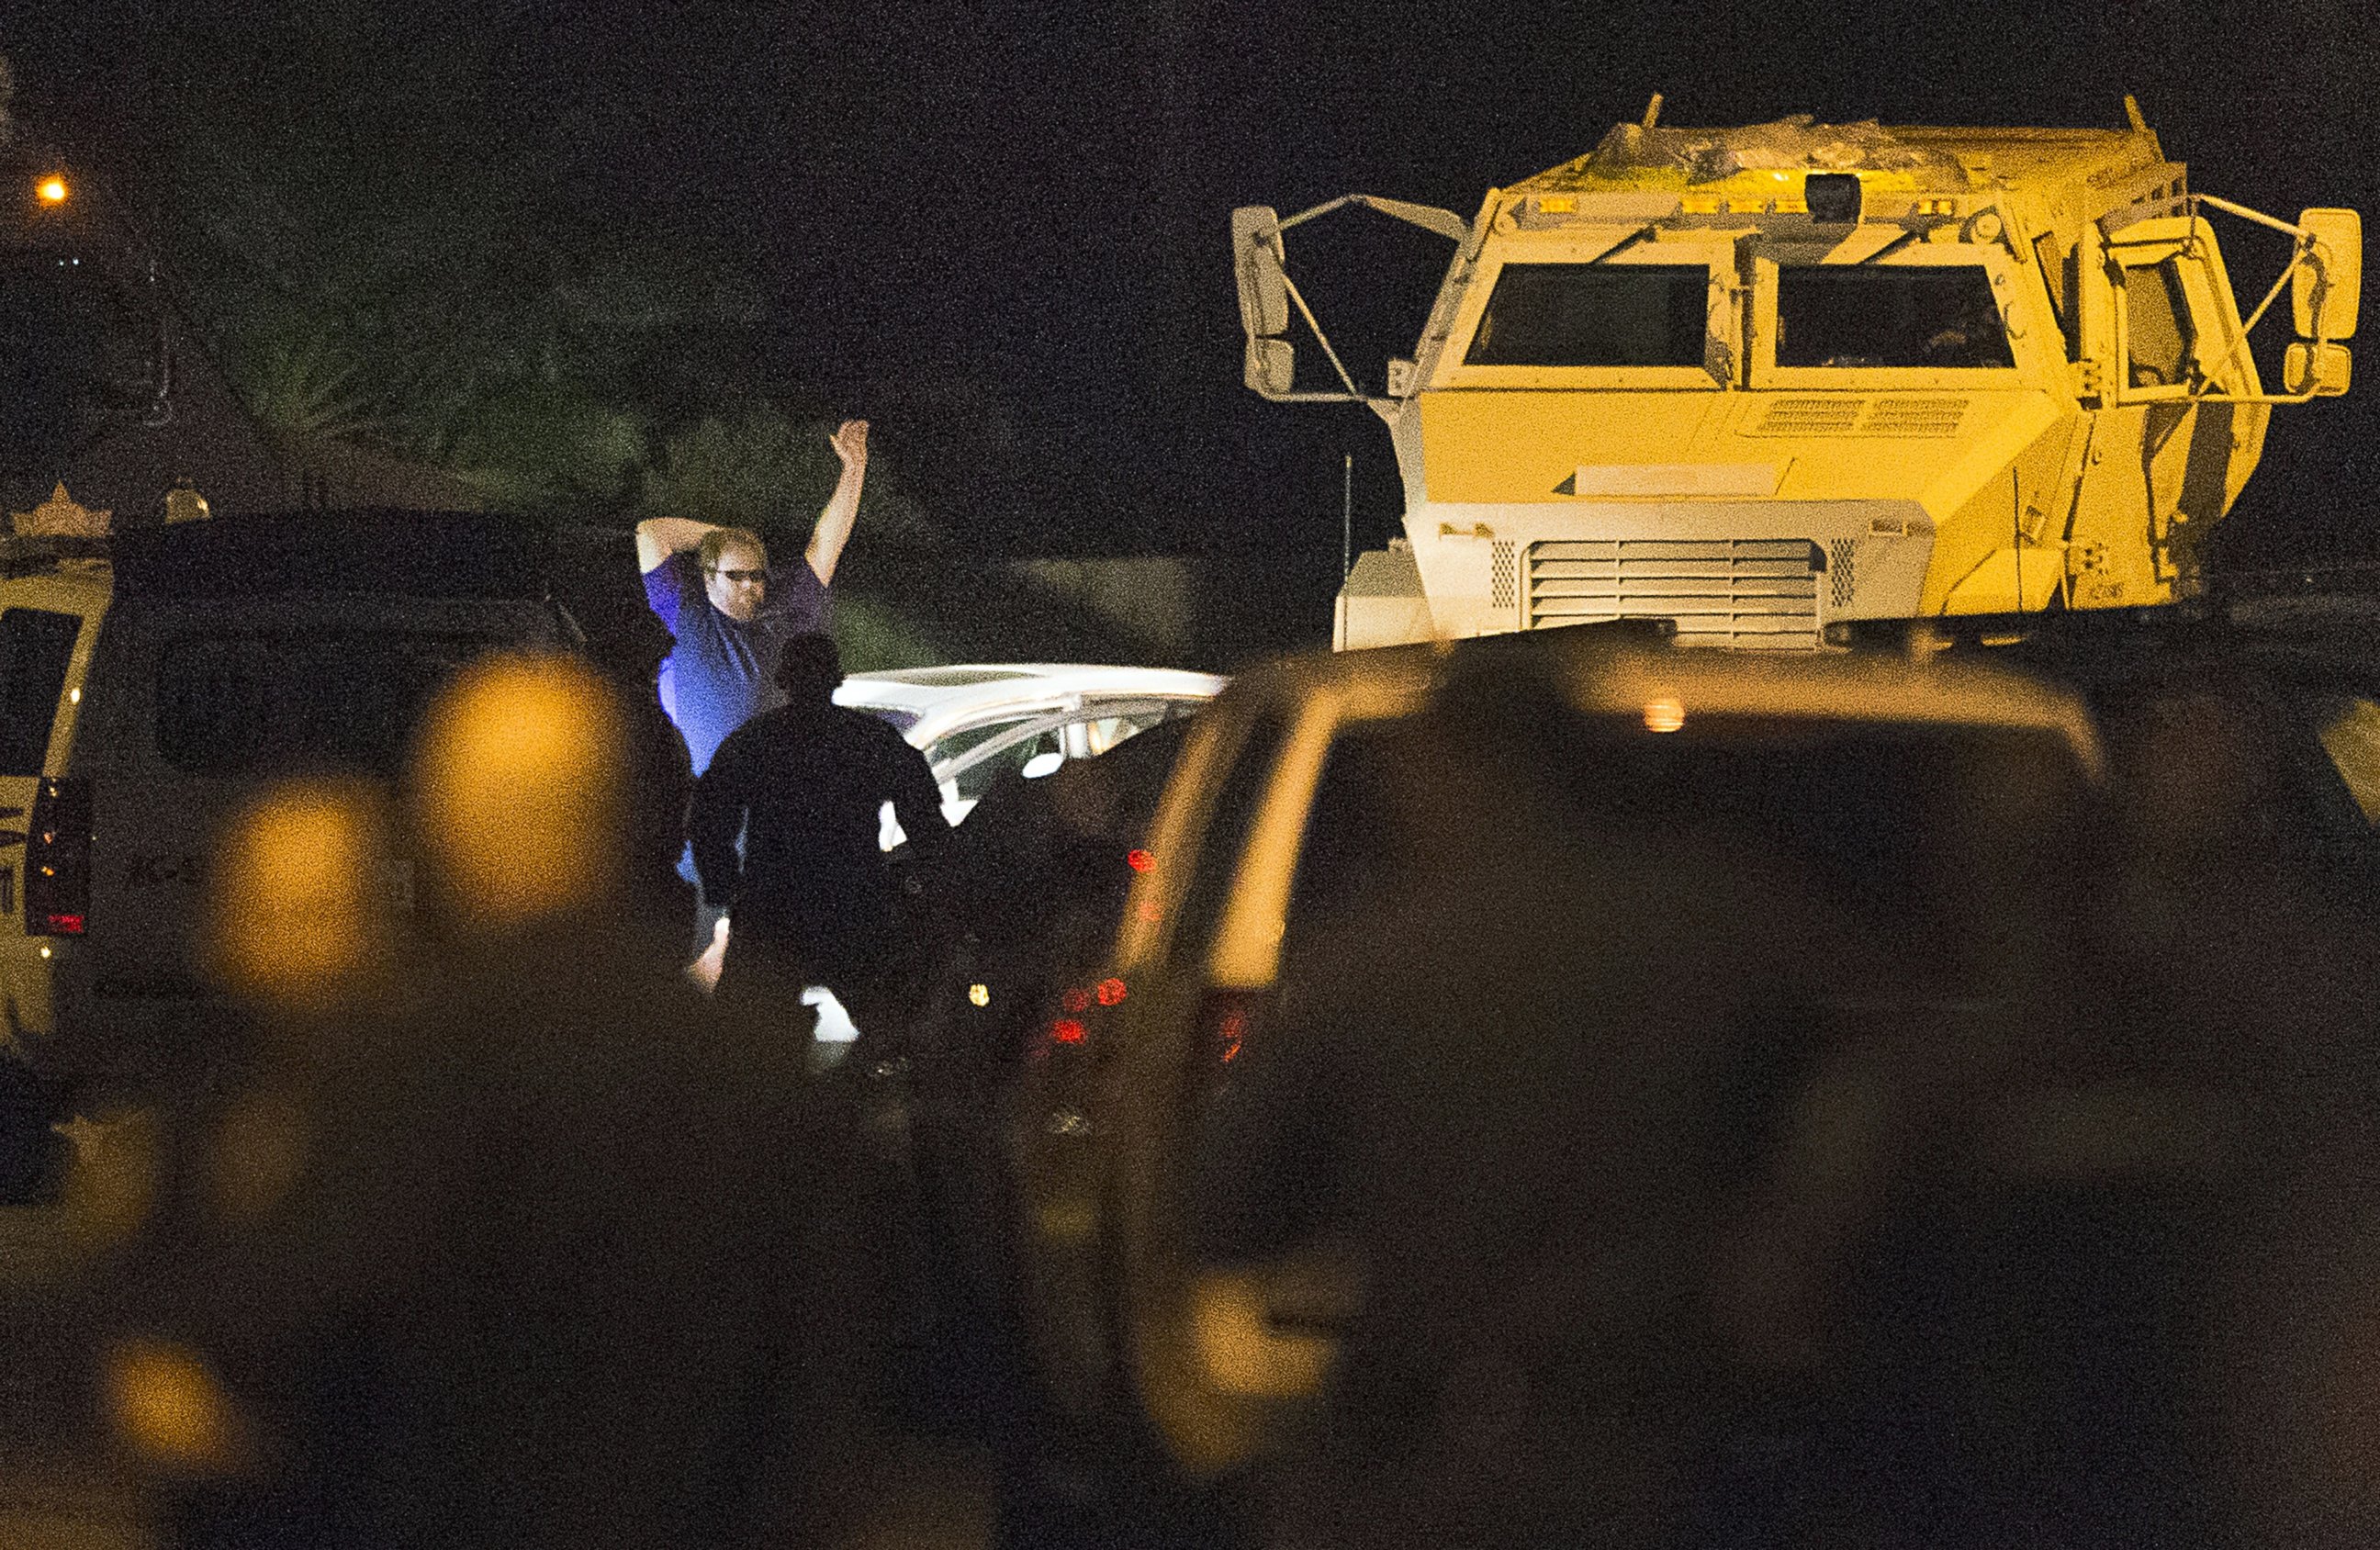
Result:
pixel 1602 672
pixel 945 697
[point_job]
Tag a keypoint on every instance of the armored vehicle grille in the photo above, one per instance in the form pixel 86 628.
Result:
pixel 1914 417
pixel 1809 417
pixel 1740 592
pixel 1857 417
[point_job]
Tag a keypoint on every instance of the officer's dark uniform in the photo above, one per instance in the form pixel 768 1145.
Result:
pixel 813 900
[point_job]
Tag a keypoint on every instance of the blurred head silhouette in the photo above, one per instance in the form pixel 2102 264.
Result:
pixel 810 669
pixel 302 904
pixel 517 793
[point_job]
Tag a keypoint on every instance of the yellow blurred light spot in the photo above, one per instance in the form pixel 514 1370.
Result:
pixel 167 1405
pixel 980 994
pixel 74 697
pixel 45 949
pixel 1557 204
pixel 518 790
pixel 1664 715
pixel 1239 1349
pixel 52 191
pixel 300 896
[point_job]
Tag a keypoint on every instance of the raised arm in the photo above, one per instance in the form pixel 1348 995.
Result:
pixel 658 538
pixel 833 529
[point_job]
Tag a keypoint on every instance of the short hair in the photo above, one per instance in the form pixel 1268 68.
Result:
pixel 715 542
pixel 811 667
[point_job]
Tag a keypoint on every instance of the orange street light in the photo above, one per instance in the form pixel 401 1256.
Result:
pixel 51 190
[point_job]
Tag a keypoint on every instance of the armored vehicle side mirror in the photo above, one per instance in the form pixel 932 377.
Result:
pixel 1264 299
pixel 1271 366
pixel 2325 292
pixel 1257 256
pixel 2321 370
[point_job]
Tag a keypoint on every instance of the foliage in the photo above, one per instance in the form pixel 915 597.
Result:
pixel 303 385
pixel 371 228
pixel 761 469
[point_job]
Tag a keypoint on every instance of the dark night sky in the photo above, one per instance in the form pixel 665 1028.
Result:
pixel 1032 201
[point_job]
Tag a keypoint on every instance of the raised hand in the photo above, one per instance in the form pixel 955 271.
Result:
pixel 850 443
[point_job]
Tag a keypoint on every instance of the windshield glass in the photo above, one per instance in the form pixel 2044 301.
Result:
pixel 73 354
pixel 281 704
pixel 1582 314
pixel 1844 315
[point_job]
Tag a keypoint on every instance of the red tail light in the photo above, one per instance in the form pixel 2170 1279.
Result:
pixel 1227 1021
pixel 58 860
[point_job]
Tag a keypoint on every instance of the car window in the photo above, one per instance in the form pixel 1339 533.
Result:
pixel 1016 753
pixel 972 762
pixel 1344 845
pixel 1581 314
pixel 2157 325
pixel 285 702
pixel 953 746
pixel 1094 736
pixel 36 646
pixel 1224 837
pixel 1845 315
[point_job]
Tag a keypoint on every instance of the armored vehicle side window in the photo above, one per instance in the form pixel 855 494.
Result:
pixel 1580 314
pixel 248 704
pixel 2156 326
pixel 1843 315
pixel 35 646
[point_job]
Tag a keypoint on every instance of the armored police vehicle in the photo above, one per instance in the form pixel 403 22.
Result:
pixel 1759 380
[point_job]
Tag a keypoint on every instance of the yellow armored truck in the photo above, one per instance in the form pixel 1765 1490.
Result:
pixel 1760 380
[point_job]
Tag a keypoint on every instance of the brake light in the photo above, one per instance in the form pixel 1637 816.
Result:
pixel 1230 1035
pixel 58 860
pixel 1230 1019
pixel 1110 992
pixel 1139 861
pixel 1066 1030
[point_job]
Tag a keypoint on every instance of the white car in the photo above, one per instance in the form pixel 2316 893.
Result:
pixel 976 724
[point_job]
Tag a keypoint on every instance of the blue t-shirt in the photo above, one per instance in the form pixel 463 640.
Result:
pixel 724 672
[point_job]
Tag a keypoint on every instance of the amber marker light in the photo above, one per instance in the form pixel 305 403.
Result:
pixel 1664 715
pixel 51 190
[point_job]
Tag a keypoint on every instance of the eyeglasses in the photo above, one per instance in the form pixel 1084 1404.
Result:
pixel 747 578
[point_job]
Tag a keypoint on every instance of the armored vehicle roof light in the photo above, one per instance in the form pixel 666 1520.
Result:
pixel 1833 195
